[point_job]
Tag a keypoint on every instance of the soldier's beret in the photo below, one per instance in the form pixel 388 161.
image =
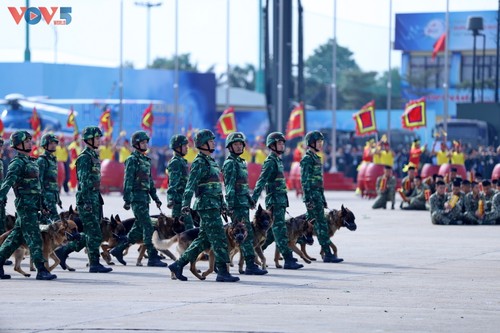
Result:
pixel 466 182
pixel 440 182
pixel 474 183
pixel 457 183
pixel 387 167
pixel 486 182
pixel 453 170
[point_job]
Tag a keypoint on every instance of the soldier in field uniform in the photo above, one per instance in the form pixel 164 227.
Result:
pixel 47 165
pixel 386 189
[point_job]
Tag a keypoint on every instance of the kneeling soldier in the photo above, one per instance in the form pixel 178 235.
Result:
pixel 386 189
pixel 440 207
pixel 138 187
pixel 204 182
pixel 416 201
pixel 23 177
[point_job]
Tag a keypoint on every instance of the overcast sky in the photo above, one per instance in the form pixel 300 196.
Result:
pixel 92 38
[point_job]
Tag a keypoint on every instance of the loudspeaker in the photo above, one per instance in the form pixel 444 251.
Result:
pixel 475 23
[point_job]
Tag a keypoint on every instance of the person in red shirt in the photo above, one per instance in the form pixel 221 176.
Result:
pixel 415 153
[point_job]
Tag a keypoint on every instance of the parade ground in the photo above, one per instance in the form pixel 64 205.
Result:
pixel 401 274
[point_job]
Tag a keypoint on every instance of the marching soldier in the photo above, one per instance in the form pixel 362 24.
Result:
pixel 311 178
pixel 23 177
pixel 177 178
pixel 238 196
pixel 88 202
pixel 137 189
pixel 204 182
pixel 47 164
pixel 440 207
pixel 2 207
pixel 386 189
pixel 273 178
pixel 417 200
pixel 472 202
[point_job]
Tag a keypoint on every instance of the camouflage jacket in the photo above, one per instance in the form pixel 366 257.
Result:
pixel 390 186
pixel 23 177
pixel 47 164
pixel 1 169
pixel 419 193
pixel 273 178
pixel 177 178
pixel 236 182
pixel 495 209
pixel 488 201
pixel 138 184
pixel 471 203
pixel 407 186
pixel 437 203
pixel 204 182
pixel 311 178
pixel 88 172
pixel 456 212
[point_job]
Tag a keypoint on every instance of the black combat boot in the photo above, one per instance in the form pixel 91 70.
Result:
pixel 3 276
pixel 96 267
pixel 154 260
pixel 117 252
pixel 62 253
pixel 252 268
pixel 329 256
pixel 7 262
pixel 224 276
pixel 43 273
pixel 290 263
pixel 176 268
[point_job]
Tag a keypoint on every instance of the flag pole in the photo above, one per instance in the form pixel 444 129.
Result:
pixel 446 60
pixel 334 90
pixel 176 69
pixel 389 77
pixel 228 69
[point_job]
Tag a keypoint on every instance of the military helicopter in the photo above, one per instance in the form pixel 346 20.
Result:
pixel 19 109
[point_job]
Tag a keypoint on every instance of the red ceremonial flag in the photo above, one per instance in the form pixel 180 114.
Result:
pixel 226 123
pixel 147 119
pixel 106 123
pixel 71 122
pixel 439 46
pixel 365 119
pixel 1 128
pixel 414 115
pixel 36 124
pixel 295 125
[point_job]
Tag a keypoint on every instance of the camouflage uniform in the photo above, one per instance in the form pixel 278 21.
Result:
pixel 204 182
pixel 407 186
pixel 471 204
pixel 383 196
pixel 417 199
pixel 494 214
pixel 23 177
pixel 177 180
pixel 47 165
pixel 137 189
pixel 273 178
pixel 489 215
pixel 438 213
pixel 2 207
pixel 239 200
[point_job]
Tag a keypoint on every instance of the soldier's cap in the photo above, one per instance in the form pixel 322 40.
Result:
pixel 466 182
pixel 486 182
pixel 453 169
pixel 440 182
pixel 474 183
pixel 387 167
pixel 457 183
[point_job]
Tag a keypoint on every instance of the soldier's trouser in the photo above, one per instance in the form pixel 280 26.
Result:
pixel 2 219
pixel 242 214
pixel 92 228
pixel 142 228
pixel 279 229
pixel 186 218
pixel 320 224
pixel 25 230
pixel 439 218
pixel 381 201
pixel 415 205
pixel 51 205
pixel 211 233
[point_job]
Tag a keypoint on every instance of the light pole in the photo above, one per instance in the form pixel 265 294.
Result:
pixel 333 153
pixel 474 24
pixel 148 6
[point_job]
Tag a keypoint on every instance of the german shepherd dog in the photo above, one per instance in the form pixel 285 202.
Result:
pixel 53 236
pixel 236 234
pixel 165 227
pixel 261 224
pixel 336 219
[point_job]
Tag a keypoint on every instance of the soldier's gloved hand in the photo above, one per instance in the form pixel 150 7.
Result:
pixel 126 206
pixel 310 205
pixel 170 204
pixel 185 210
pixel 158 204
pixel 87 207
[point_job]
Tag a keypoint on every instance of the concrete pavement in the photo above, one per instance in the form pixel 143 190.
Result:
pixel 400 274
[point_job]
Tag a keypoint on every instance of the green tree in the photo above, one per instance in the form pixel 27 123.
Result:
pixel 381 90
pixel 239 77
pixel 169 63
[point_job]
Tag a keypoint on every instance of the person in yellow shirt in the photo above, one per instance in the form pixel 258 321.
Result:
pixel 106 151
pixel 456 155
pixel 125 151
pixel 442 155
pixel 62 155
pixel 246 155
pixel 386 155
pixel 260 155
